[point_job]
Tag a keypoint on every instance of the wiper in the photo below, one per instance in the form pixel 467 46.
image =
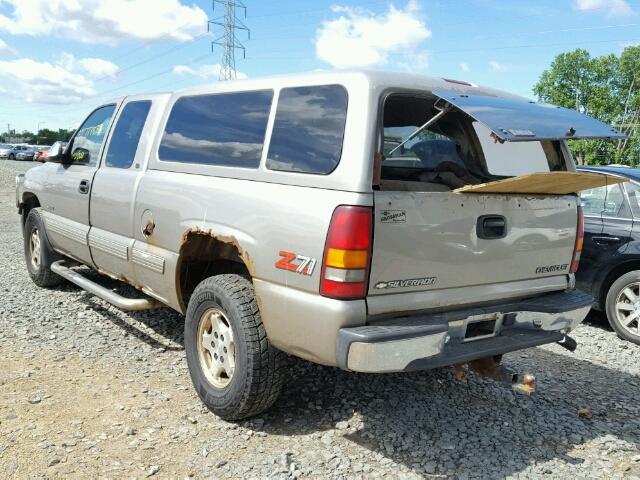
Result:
pixel 443 111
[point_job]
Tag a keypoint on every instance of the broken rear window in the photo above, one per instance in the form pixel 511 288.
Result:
pixel 453 151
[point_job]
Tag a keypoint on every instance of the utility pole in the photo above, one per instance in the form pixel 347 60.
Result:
pixel 229 42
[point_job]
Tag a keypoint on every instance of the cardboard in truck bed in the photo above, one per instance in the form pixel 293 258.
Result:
pixel 545 183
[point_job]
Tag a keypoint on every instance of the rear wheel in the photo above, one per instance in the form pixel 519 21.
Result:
pixel 38 252
pixel 234 368
pixel 623 306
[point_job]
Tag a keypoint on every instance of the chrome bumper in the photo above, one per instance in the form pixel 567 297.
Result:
pixel 442 339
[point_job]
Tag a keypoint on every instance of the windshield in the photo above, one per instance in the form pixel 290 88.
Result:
pixel 453 152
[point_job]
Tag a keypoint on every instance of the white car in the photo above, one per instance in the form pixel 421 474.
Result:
pixel 5 149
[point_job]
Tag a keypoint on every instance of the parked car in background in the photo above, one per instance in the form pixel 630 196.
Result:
pixel 5 150
pixel 41 154
pixel 610 264
pixel 26 152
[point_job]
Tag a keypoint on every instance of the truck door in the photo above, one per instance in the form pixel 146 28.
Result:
pixel 69 186
pixel 114 189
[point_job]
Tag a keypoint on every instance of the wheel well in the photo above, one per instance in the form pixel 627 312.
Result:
pixel 203 255
pixel 613 275
pixel 29 202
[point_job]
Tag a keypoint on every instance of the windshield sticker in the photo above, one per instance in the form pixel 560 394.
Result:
pixel 414 282
pixel 393 216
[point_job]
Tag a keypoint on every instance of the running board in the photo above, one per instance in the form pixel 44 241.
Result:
pixel 123 303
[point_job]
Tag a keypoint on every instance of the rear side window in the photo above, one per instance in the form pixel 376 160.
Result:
pixel 223 129
pixel 309 129
pixel 125 138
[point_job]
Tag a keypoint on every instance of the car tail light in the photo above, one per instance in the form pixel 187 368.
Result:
pixel 347 253
pixel 577 250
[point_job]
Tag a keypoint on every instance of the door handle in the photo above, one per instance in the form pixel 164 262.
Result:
pixel 84 186
pixel 606 240
pixel 491 227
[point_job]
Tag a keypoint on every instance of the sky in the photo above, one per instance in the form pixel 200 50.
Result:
pixel 61 58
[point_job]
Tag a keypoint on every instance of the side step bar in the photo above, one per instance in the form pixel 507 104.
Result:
pixel 123 303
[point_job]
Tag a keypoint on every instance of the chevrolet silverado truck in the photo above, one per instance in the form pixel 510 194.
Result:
pixel 278 217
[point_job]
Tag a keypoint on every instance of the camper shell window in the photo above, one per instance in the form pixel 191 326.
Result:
pixel 453 152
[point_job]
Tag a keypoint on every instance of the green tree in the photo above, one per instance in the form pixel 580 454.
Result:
pixel 605 87
pixel 48 137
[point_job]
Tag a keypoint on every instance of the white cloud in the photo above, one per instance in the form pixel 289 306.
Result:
pixel 359 38
pixel 498 67
pixel 464 67
pixel 608 7
pixel 94 67
pixel 60 83
pixel 205 72
pixel 104 21
pixel 5 49
pixel 42 82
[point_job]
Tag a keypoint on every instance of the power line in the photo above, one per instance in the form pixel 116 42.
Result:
pixel 228 40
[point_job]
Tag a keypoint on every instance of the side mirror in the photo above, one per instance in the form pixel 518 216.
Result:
pixel 56 153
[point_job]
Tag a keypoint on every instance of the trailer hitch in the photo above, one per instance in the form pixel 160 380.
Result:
pixel 489 368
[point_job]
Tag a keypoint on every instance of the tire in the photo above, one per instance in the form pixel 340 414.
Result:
pixel 12 156
pixel 249 380
pixel 39 265
pixel 625 321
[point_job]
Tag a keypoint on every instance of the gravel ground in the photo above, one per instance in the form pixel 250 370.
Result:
pixel 88 391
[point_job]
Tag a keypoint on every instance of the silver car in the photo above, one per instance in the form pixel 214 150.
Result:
pixel 5 150
pixel 318 215
pixel 24 152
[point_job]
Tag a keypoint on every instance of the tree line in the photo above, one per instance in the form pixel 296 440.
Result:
pixel 605 87
pixel 44 136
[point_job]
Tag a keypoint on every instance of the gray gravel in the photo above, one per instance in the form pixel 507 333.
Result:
pixel 142 419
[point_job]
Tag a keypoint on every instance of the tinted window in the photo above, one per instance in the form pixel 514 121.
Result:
pixel 225 129
pixel 593 200
pixel 633 193
pixel 309 129
pixel 126 135
pixel 88 141
pixel 614 205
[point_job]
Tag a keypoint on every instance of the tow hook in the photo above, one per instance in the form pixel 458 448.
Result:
pixel 488 368
pixel 568 343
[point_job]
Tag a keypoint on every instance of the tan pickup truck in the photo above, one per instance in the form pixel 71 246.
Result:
pixel 317 215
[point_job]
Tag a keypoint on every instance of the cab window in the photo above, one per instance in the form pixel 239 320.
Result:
pixel 126 134
pixel 86 145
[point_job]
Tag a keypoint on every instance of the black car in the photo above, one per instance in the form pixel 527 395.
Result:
pixel 610 263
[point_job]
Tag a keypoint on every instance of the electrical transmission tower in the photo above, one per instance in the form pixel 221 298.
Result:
pixel 229 23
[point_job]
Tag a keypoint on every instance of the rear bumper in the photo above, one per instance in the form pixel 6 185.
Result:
pixel 442 339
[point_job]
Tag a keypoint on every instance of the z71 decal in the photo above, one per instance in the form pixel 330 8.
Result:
pixel 296 263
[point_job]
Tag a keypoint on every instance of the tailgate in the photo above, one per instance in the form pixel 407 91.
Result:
pixel 437 241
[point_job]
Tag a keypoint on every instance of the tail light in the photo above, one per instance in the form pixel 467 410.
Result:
pixel 577 250
pixel 347 253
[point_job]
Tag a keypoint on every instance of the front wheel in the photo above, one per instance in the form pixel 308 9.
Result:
pixel 38 252
pixel 235 370
pixel 12 156
pixel 623 306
